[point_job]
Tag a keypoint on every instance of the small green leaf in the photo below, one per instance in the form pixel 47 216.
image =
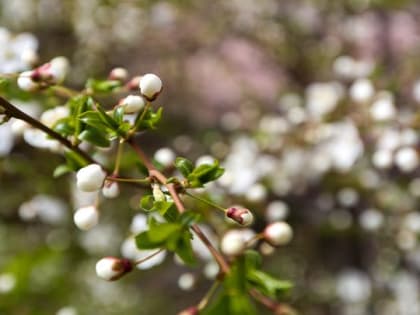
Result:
pixel 95 137
pixel 163 232
pixel 102 86
pixel 61 170
pixel 146 203
pixel 184 165
pixel 267 284
pixel 118 114
pixel 74 161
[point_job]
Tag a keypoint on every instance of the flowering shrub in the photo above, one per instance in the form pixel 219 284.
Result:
pixel 84 125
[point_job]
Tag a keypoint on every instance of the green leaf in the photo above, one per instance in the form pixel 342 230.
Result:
pixel 267 284
pixel 184 165
pixel 188 218
pixel 184 249
pixel 107 119
pixel 151 119
pixel 93 118
pixel 64 127
pixel 95 136
pixel 61 170
pixel 204 173
pixel 103 86
pixel 163 232
pixel 118 114
pixel 253 260
pixel 146 203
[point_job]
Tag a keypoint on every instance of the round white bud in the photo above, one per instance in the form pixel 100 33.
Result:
pixel 59 67
pixel 112 268
pixel 86 218
pixel 165 156
pixel 406 159
pixel 90 178
pixel 382 158
pixel 26 82
pixel 119 74
pixel 132 104
pixel 233 243
pixel 150 86
pixel 278 233
pixel 186 281
pixel 110 190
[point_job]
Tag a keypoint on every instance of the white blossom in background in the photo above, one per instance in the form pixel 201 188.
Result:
pixel 276 211
pixel 67 310
pixel 383 108
pixel 353 286
pixel 165 156
pixel 347 67
pixel 17 52
pixel 322 98
pixel 416 91
pixel 51 116
pixel 405 289
pixel 186 281
pixel 362 91
pixel 406 159
pixel 371 219
pixel 7 282
pixel 48 209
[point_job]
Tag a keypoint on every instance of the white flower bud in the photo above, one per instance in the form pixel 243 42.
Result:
pixel 90 178
pixel 241 215
pixel 26 82
pixel 158 195
pixel 382 158
pixel 112 268
pixel 51 116
pixel 165 156
pixel 383 108
pixel 110 190
pixel 86 218
pixel 407 159
pixel 233 243
pixel 278 233
pixel 119 74
pixel 132 104
pixel 150 86
pixel 59 67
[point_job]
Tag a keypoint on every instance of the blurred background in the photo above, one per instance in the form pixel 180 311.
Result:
pixel 311 106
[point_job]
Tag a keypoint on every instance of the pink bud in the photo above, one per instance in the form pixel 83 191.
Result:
pixel 241 215
pixel 193 310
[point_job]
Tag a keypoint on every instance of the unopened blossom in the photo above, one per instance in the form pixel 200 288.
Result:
pixel 278 233
pixel 193 310
pixel 150 86
pixel 26 82
pixel 119 74
pixel 110 190
pixel 165 156
pixel 240 215
pixel 132 104
pixel 112 268
pixel 90 178
pixel 86 218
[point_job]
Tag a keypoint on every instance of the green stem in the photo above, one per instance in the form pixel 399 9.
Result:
pixel 205 300
pixel 118 157
pixel 129 180
pixel 137 262
pixel 208 202
pixel 141 116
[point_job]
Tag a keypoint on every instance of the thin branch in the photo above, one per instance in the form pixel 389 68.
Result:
pixel 13 111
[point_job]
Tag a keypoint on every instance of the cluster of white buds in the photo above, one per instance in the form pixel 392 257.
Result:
pixel 193 310
pixel 113 268
pixel 150 86
pixel 90 178
pixel 86 218
pixel 132 104
pixel 278 233
pixel 240 215
pixel 52 72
